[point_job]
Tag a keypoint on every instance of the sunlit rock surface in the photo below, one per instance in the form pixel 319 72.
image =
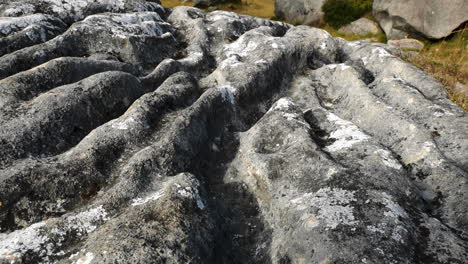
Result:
pixel 132 133
pixel 430 19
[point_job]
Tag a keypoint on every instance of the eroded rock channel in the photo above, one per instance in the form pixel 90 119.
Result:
pixel 132 133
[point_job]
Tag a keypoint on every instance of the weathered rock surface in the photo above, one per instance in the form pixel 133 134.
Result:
pixel 362 26
pixel 150 135
pixel 431 19
pixel 407 44
pixel 461 88
pixel 307 12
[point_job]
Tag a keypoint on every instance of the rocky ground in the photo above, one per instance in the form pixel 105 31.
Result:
pixel 132 133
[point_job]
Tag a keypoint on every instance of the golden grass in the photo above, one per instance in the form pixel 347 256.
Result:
pixel 258 8
pixel 174 3
pixel 447 61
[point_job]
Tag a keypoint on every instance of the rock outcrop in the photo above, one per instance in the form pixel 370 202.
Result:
pixel 430 19
pixel 306 12
pixel 362 26
pixel 407 44
pixel 132 133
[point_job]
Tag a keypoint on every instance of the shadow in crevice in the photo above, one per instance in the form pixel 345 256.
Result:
pixel 242 234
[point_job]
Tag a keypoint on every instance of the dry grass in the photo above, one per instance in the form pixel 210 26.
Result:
pixel 447 61
pixel 352 37
pixel 258 8
pixel 174 3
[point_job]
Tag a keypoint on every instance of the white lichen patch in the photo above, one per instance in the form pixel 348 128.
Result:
pixel 346 135
pixel 192 58
pixel 86 222
pixel 438 111
pixel 380 228
pixel 341 66
pixel 231 62
pixel 192 193
pixel 132 24
pixel 344 67
pixel 45 243
pixel 428 152
pixel 150 197
pixel 296 117
pixel 388 159
pixel 123 124
pixel 330 173
pixel 20 242
pixel 242 47
pixel 283 104
pixel 398 233
pixel 381 53
pixel 309 221
pixel 394 209
pixel 86 259
pixel 18 10
pixel 36 33
pixel 76 9
pixel 9 25
pixel 333 206
pixel 323 45
pixel 365 60
pixel 222 16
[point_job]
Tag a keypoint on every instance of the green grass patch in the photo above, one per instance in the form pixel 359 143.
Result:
pixel 353 37
pixel 338 13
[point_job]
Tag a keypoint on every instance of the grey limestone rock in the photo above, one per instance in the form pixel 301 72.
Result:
pixel 139 134
pixel 407 44
pixel 431 19
pixel 362 26
pixel 307 12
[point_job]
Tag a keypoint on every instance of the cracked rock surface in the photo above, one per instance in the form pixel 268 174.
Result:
pixel 132 133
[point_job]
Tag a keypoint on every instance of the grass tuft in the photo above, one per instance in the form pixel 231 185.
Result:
pixel 446 61
pixel 338 13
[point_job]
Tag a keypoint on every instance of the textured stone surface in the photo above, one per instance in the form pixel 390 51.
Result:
pixel 431 19
pixel 150 135
pixel 461 88
pixel 308 12
pixel 407 44
pixel 362 26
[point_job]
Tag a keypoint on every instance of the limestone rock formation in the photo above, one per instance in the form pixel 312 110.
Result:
pixel 408 44
pixel 432 19
pixel 362 26
pixel 306 12
pixel 132 133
